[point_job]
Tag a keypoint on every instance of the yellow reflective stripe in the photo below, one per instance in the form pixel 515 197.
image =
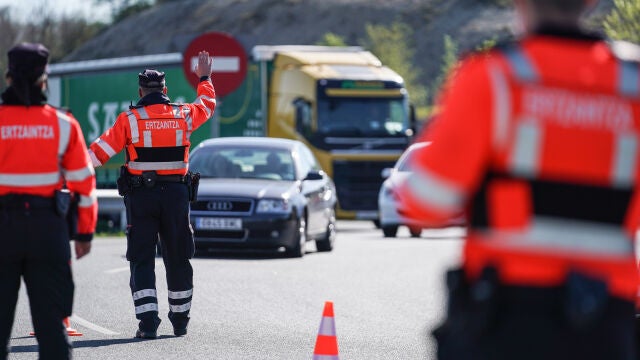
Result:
pixel 435 191
pixel 24 180
pixel 160 165
pixel 624 160
pixel 501 105
pixel 567 235
pixel 78 175
pixel 525 160
pixel 64 124
pixel 133 125
pixel 105 147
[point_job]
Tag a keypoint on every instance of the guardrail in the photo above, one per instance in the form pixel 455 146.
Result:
pixel 111 203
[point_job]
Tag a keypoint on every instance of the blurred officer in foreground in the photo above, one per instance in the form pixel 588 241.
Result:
pixel 538 140
pixel 41 148
pixel 157 188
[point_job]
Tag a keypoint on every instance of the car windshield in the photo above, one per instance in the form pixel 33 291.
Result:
pixel 243 162
pixel 406 160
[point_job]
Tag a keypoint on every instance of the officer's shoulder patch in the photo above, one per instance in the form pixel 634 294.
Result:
pixel 625 51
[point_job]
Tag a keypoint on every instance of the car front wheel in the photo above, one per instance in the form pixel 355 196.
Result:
pixel 298 250
pixel 325 243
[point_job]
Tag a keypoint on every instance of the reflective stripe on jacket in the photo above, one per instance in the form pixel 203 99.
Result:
pixel 40 148
pixel 157 136
pixel 539 142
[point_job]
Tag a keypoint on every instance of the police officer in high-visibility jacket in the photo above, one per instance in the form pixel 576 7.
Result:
pixel 42 149
pixel 156 186
pixel 539 141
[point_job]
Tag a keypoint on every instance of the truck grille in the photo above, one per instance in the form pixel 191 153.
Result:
pixel 358 183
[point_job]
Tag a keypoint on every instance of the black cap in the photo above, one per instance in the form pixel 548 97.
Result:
pixel 28 60
pixel 151 78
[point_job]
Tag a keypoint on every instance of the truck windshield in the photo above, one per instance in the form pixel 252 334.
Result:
pixel 362 117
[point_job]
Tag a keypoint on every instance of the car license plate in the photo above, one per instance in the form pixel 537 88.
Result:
pixel 210 223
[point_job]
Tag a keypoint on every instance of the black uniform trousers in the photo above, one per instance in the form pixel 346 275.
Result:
pixel 160 212
pixel 35 247
pixel 578 320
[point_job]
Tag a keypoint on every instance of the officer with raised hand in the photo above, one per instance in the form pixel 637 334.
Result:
pixel 157 186
pixel 41 149
pixel 539 140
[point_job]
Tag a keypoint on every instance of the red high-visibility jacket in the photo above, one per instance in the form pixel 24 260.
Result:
pixel 156 136
pixel 539 141
pixel 41 148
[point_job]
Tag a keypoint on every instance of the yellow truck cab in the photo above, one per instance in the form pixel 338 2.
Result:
pixel 352 111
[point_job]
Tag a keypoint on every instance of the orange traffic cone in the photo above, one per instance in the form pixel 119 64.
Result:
pixel 327 342
pixel 70 331
pixel 67 324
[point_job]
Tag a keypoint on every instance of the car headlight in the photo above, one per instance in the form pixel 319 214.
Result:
pixel 387 192
pixel 279 206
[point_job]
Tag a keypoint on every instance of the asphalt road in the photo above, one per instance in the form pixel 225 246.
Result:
pixel 387 295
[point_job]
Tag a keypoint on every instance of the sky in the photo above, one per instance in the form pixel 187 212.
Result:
pixel 86 8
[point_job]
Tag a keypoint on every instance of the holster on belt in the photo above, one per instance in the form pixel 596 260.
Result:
pixel 62 200
pixel 123 182
pixel 193 182
pixel 586 300
pixel 149 178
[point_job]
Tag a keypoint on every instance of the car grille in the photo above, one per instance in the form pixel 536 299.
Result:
pixel 224 206
pixel 358 183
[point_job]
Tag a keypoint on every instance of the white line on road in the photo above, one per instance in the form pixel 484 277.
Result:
pixel 92 326
pixel 117 270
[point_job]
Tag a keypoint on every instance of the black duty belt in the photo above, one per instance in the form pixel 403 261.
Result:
pixel 22 201
pixel 136 179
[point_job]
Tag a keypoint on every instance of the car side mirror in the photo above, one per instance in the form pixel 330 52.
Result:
pixel 314 175
pixel 386 172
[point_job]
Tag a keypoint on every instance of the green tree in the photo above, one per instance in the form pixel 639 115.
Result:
pixel 331 39
pixel 392 45
pixel 623 23
pixel 121 9
pixel 447 64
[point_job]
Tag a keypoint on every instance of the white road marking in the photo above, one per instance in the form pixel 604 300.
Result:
pixel 117 270
pixel 91 325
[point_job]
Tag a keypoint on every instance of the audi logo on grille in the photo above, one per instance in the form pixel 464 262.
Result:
pixel 220 205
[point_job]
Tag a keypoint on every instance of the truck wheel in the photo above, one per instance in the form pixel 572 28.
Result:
pixel 390 231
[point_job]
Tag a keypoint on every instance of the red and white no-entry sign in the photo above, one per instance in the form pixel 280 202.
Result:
pixel 229 61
